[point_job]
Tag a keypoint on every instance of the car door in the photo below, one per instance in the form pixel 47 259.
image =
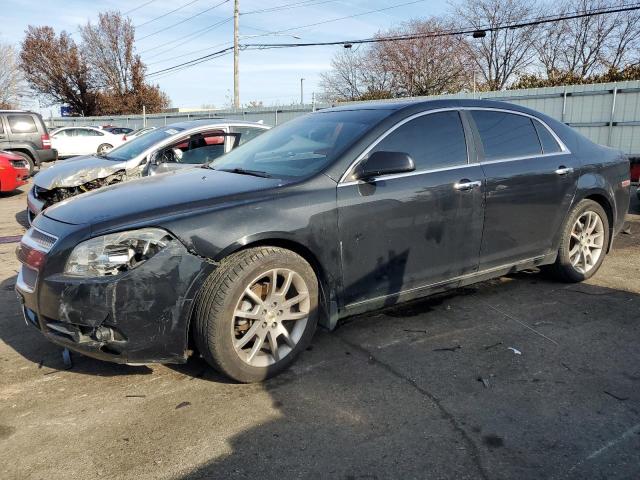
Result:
pixel 402 232
pixel 23 130
pixel 531 179
pixel 61 140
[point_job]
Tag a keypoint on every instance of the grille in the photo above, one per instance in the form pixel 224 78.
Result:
pixel 40 240
pixel 19 163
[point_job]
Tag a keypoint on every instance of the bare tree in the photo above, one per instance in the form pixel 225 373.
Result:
pixel 503 54
pixel 108 46
pixel 11 81
pixel 343 81
pixel 55 68
pixel 583 47
pixel 428 65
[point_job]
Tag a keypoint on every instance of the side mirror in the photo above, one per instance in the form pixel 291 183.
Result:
pixel 384 163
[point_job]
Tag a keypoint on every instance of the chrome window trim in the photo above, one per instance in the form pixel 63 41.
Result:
pixel 449 280
pixel 408 174
pixel 360 157
pixel 564 149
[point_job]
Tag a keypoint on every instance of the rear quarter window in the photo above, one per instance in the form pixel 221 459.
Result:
pixel 22 124
pixel 549 143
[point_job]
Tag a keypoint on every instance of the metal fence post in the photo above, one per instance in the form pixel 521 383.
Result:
pixel 613 111
pixel 564 105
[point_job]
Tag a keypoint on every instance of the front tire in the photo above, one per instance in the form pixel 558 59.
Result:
pixel 256 312
pixel 584 242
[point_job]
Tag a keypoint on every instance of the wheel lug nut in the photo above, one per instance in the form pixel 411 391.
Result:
pixel 279 312
pixel 274 325
pixel 264 325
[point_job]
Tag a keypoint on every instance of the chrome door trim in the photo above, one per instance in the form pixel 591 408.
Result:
pixel 444 282
pixel 564 150
pixel 392 176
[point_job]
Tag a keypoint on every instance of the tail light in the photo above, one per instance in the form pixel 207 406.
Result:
pixel 46 141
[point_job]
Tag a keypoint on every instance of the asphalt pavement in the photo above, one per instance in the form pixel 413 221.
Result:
pixel 516 378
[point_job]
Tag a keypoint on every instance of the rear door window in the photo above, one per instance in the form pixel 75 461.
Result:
pixel 506 135
pixel 22 124
pixel 433 141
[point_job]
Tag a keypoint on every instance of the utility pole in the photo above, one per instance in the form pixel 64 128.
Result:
pixel 236 54
pixel 302 91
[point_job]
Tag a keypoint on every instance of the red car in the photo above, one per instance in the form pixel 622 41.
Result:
pixel 14 171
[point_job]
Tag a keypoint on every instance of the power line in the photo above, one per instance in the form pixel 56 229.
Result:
pixel 168 13
pixel 138 7
pixel 443 33
pixel 464 31
pixel 288 6
pixel 164 29
pixel 191 36
pixel 195 61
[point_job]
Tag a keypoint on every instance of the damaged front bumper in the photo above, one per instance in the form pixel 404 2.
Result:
pixel 139 316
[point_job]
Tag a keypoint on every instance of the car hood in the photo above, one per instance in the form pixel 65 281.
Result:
pixel 76 171
pixel 157 197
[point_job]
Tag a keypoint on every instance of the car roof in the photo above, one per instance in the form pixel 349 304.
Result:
pixel 398 105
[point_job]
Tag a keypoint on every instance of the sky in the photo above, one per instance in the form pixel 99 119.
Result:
pixel 271 76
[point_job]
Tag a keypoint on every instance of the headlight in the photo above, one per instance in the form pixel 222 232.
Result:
pixel 115 253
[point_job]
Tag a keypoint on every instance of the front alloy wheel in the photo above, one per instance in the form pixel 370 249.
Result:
pixel 256 312
pixel 270 317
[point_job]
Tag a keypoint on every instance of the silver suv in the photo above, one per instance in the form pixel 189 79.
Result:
pixel 176 146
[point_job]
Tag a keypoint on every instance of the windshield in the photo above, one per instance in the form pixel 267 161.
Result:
pixel 302 146
pixel 136 146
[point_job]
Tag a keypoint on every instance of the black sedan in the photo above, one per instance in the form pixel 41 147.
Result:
pixel 338 212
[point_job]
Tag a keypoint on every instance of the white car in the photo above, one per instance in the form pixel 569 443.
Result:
pixel 72 141
pixel 139 132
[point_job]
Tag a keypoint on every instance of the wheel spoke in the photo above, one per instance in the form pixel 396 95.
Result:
pixel 294 315
pixel 295 300
pixel 257 345
pixel 574 250
pixel 247 336
pixel 287 283
pixel 281 330
pixel 273 345
pixel 253 295
pixel 251 315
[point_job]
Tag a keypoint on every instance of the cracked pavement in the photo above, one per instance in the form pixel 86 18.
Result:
pixel 429 389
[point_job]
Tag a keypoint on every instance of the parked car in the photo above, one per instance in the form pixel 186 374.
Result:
pixel 14 171
pixel 118 130
pixel 73 141
pixel 177 146
pixel 25 134
pixel 139 132
pixel 337 212
pixel 635 173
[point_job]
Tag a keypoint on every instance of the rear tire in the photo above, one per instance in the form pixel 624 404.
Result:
pixel 104 148
pixel 584 242
pixel 247 329
pixel 27 158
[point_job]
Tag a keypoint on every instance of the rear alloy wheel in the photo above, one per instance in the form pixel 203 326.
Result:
pixel 584 243
pixel 104 148
pixel 256 312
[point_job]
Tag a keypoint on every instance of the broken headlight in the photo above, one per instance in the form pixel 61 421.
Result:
pixel 115 253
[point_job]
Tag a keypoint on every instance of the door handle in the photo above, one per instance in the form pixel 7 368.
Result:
pixel 562 170
pixel 464 185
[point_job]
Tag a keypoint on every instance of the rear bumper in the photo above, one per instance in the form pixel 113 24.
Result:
pixel 141 316
pixel 48 155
